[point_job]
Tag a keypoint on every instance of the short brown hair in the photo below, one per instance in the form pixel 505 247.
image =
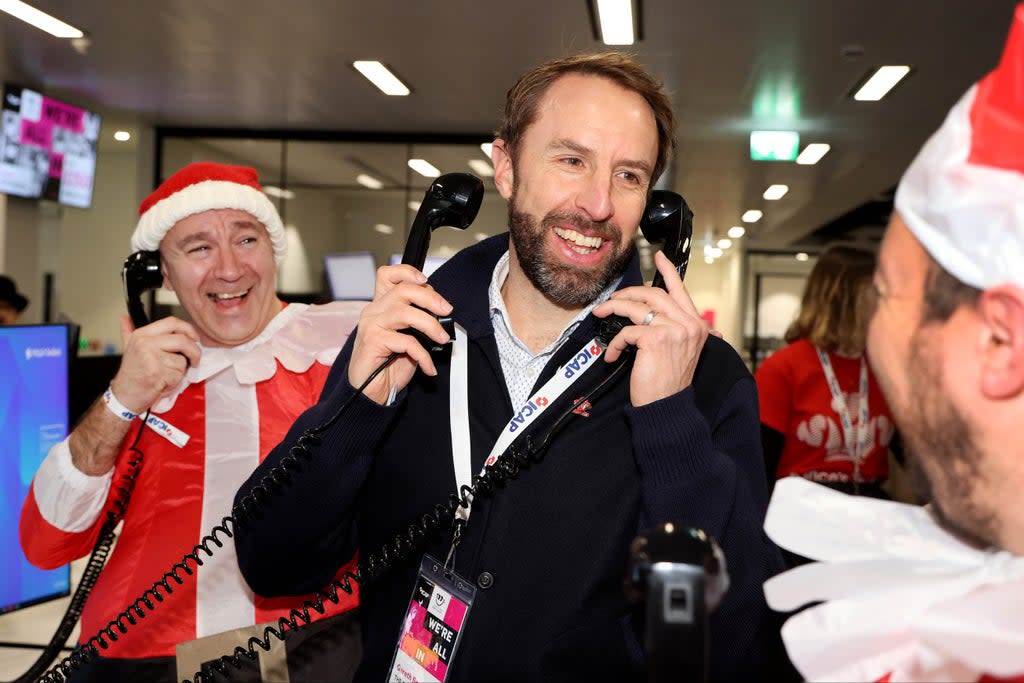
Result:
pixel 834 311
pixel 523 98
pixel 944 294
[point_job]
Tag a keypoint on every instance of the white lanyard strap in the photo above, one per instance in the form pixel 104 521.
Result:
pixel 856 442
pixel 458 393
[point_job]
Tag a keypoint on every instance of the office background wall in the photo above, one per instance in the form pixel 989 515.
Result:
pixel 84 248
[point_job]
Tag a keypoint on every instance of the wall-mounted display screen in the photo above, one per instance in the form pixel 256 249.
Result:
pixel 33 417
pixel 47 148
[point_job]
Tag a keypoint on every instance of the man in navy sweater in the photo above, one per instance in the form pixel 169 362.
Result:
pixel 673 437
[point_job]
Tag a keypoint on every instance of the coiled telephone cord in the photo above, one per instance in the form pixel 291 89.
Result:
pixel 91 573
pixel 507 467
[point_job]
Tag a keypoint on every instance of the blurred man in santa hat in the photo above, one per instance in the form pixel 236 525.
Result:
pixel 933 594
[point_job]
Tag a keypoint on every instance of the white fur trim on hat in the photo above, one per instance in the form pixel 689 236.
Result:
pixel 969 217
pixel 204 196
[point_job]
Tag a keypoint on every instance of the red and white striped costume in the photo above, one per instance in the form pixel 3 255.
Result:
pixel 235 406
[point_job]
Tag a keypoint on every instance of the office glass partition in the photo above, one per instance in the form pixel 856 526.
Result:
pixel 342 193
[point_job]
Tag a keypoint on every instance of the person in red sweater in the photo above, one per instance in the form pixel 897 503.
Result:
pixel 933 593
pixel 823 415
pixel 215 393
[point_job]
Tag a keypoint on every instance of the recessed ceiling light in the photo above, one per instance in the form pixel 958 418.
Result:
pixel 813 153
pixel 737 231
pixel 275 191
pixel 41 20
pixel 801 256
pixel 481 168
pixel 751 216
pixel 716 252
pixel 378 74
pixel 709 260
pixel 776 192
pixel 424 168
pixel 724 243
pixel 383 228
pixel 122 136
pixel 880 83
pixel 481 236
pixel 615 21
pixel 369 181
pixel 414 205
pixel 486 148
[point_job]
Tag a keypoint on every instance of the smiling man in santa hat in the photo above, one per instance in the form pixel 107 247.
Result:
pixel 215 395
pixel 933 594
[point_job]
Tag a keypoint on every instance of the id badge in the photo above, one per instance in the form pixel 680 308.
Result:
pixel 433 624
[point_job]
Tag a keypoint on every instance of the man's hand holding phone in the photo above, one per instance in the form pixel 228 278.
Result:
pixel 154 362
pixel 668 334
pixel 402 299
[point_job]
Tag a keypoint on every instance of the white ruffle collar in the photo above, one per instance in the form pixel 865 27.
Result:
pixel 296 337
pixel 902 596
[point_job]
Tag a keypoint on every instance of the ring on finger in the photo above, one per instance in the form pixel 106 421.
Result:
pixel 649 317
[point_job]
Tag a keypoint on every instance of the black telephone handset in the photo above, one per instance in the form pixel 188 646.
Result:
pixel 667 219
pixel 454 200
pixel 141 272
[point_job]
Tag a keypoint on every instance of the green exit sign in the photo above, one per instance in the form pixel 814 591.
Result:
pixel 774 145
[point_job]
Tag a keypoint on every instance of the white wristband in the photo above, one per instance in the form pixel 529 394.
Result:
pixel 115 406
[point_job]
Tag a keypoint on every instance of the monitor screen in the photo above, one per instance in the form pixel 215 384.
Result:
pixel 351 275
pixel 33 417
pixel 47 148
pixel 431 263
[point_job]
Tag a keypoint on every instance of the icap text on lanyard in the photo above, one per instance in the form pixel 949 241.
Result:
pixel 581 361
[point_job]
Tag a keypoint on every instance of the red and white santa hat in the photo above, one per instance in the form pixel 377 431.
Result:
pixel 202 186
pixel 963 196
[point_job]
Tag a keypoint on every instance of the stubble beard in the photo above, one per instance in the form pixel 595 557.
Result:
pixel 944 464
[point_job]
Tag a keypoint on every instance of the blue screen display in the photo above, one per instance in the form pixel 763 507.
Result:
pixel 33 417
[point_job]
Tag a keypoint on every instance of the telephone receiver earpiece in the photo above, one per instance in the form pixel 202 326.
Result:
pixel 668 219
pixel 453 200
pixel 140 273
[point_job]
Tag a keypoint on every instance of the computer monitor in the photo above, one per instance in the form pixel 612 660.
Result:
pixel 431 263
pixel 350 275
pixel 33 417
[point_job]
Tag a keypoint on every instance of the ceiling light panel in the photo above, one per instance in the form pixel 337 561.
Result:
pixel 481 168
pixel 776 192
pixel 751 216
pixel 813 153
pixel 367 180
pixel 275 191
pixel 41 20
pixel 378 74
pixel 615 21
pixel 737 231
pixel 881 82
pixel 424 168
